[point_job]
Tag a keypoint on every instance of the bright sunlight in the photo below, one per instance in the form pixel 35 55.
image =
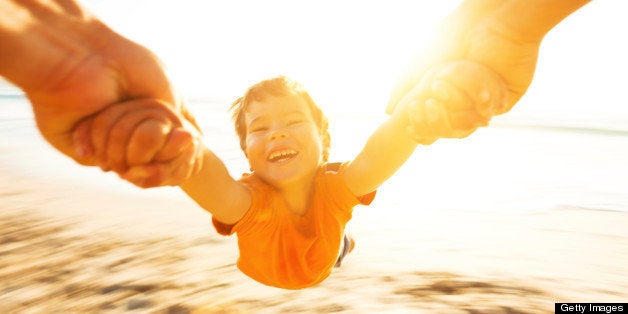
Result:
pixel 346 53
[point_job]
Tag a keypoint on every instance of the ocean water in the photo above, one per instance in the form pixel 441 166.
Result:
pixel 520 166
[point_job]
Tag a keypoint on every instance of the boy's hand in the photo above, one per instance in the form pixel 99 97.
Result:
pixel 143 141
pixel 453 100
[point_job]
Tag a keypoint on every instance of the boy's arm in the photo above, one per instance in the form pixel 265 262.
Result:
pixel 385 151
pixel 216 191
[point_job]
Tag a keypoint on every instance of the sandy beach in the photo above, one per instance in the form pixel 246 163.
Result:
pixel 72 247
pixel 75 240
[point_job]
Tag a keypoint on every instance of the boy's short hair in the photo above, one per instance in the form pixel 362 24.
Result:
pixel 277 87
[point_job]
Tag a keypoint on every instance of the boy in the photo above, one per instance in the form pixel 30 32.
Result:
pixel 291 210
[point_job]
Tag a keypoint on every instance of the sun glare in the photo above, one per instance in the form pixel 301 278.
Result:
pixel 346 53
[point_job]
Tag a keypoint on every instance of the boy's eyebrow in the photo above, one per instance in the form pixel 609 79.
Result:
pixel 296 112
pixel 264 117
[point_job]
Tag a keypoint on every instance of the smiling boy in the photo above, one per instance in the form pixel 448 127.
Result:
pixel 290 211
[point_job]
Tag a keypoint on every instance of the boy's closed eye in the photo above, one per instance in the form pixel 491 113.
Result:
pixel 258 128
pixel 295 118
pixel 259 124
pixel 264 128
pixel 296 121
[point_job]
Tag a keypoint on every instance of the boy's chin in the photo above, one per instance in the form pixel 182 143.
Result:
pixel 286 177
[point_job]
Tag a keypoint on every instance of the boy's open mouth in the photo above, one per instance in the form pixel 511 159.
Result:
pixel 282 155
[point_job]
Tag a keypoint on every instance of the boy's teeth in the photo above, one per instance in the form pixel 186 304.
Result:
pixel 281 154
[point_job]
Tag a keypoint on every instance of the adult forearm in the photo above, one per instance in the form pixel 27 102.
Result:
pixel 530 20
pixel 43 40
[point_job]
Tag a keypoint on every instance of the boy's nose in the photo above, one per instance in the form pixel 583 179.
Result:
pixel 278 133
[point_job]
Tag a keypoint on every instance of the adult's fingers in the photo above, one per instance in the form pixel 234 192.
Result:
pixel 187 160
pixel 466 122
pixel 458 115
pixel 157 174
pixel 171 171
pixel 147 128
pixel 148 138
pixel 181 167
pixel 427 121
pixel 126 115
pixel 83 150
pixel 101 127
pixel 145 176
pixel 178 140
pixel 484 87
pixel 457 106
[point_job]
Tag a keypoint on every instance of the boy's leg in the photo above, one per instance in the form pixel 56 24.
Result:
pixel 346 247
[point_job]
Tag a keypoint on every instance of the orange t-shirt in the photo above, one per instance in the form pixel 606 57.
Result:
pixel 281 249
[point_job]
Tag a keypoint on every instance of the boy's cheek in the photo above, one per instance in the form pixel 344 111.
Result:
pixel 253 140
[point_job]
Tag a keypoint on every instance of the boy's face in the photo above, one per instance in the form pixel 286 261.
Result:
pixel 283 144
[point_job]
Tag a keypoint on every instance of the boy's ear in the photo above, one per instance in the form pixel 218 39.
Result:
pixel 243 147
pixel 326 145
pixel 247 158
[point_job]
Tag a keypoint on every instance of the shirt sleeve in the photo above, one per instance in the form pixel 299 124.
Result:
pixel 221 228
pixel 336 183
pixel 256 200
pixel 367 199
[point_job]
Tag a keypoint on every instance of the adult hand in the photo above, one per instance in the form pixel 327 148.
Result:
pixel 461 93
pixel 72 66
pixel 144 141
pixel 504 36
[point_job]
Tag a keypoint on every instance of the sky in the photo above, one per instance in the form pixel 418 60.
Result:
pixel 348 53
pixel 345 52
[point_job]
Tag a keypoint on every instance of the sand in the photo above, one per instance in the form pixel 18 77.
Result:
pixel 70 247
